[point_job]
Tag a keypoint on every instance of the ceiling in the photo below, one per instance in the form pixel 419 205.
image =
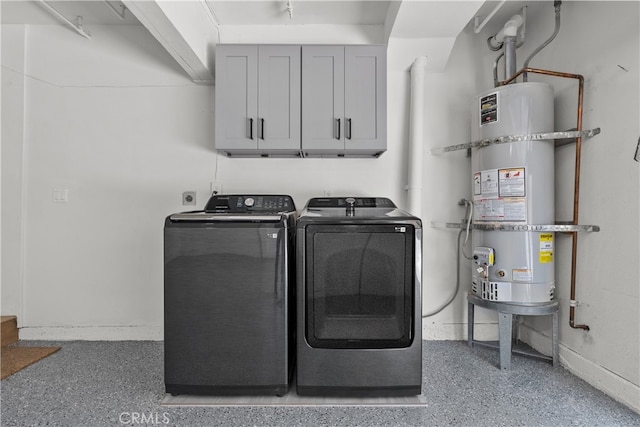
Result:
pixel 304 12
pixel 92 12
pixel 227 12
pixel 430 18
pixel 187 28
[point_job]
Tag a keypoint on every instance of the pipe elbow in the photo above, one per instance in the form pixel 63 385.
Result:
pixel 419 65
pixel 511 27
pixel 573 325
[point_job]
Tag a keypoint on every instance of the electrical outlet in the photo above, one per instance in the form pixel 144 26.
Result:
pixel 189 198
pixel 215 188
pixel 60 195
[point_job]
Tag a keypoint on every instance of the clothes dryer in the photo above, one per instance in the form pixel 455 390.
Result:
pixel 359 298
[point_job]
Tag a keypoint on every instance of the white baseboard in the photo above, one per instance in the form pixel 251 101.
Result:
pixel 92 333
pixel 613 385
pixel 436 332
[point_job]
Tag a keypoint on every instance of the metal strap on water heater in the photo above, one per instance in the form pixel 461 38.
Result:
pixel 559 228
pixel 516 138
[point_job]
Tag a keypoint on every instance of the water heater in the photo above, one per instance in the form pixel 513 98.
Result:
pixel 513 193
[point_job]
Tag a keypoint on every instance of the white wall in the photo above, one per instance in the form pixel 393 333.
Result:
pixel 12 166
pixel 115 122
pixel 448 94
pixel 599 40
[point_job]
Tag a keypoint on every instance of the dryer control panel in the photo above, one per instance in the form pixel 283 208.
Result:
pixel 356 202
pixel 247 203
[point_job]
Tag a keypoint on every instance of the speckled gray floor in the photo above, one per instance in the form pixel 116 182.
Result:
pixel 121 383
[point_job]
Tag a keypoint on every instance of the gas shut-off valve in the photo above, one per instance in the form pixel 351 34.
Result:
pixel 485 258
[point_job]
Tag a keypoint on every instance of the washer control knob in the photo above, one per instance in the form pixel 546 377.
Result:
pixel 249 202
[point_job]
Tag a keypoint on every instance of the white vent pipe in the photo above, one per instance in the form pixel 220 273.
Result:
pixel 416 125
pixel 510 29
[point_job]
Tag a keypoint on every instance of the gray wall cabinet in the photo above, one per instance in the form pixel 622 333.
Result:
pixel 258 100
pixel 281 100
pixel 344 100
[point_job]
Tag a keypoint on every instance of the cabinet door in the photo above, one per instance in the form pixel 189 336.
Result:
pixel 365 98
pixel 236 97
pixel 323 99
pixel 278 122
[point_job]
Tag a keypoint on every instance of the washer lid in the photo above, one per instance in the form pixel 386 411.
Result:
pixel 250 204
pixel 201 216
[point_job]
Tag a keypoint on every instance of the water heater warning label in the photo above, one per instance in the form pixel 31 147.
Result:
pixel 489 183
pixel 489 109
pixel 501 209
pixel 522 275
pixel 546 248
pixel 511 182
pixel 499 195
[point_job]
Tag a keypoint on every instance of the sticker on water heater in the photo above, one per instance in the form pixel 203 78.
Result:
pixel 511 182
pixel 489 183
pixel 489 210
pixel 515 209
pixel 522 275
pixel 501 209
pixel 477 188
pixel 489 109
pixel 546 248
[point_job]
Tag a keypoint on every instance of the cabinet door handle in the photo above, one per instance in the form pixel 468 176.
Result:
pixel 250 128
pixel 348 134
pixel 262 129
pixel 337 133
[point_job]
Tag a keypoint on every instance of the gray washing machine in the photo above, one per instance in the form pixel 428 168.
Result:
pixel 358 298
pixel 228 289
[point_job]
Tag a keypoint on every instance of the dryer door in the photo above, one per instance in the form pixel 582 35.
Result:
pixel 359 285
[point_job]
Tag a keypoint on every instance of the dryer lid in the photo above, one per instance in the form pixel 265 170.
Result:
pixel 356 202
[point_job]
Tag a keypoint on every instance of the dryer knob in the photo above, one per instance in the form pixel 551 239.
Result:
pixel 249 202
pixel 350 206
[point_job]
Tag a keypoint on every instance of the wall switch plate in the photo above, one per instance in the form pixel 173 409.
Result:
pixel 60 195
pixel 189 198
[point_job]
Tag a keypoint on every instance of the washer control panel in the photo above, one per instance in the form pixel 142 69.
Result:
pixel 250 203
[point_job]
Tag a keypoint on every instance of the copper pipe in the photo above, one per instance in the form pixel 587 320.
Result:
pixel 576 207
pixel 576 183
pixel 549 73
